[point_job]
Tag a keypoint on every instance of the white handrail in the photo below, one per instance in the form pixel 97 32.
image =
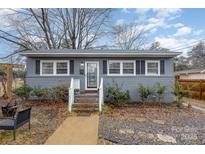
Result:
pixel 71 95
pixel 101 95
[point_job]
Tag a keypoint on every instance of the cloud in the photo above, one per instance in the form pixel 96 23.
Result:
pixel 159 18
pixel 153 30
pixel 198 32
pixel 4 13
pixel 155 23
pixel 169 13
pixel 120 22
pixel 177 25
pixel 142 11
pixel 125 10
pixel 183 31
pixel 175 43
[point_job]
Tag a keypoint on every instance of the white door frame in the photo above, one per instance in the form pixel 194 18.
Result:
pixel 86 69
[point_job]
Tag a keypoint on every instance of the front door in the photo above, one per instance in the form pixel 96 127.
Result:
pixel 91 75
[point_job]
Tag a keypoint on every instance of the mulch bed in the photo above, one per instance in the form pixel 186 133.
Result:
pixel 144 124
pixel 46 117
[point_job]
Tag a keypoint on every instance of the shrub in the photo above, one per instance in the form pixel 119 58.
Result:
pixel 160 90
pixel 116 96
pixel 60 93
pixel 37 91
pixel 41 93
pixel 145 92
pixel 179 92
pixel 23 92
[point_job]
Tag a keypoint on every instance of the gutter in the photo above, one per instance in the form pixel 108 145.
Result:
pixel 40 54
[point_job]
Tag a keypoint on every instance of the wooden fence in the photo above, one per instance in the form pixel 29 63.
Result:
pixel 196 87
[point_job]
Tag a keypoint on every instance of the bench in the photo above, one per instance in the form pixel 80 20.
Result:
pixel 21 118
pixel 9 111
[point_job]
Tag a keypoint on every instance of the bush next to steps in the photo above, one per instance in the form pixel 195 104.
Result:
pixel 116 96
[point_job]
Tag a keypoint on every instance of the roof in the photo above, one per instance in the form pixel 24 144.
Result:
pixel 197 70
pixel 98 53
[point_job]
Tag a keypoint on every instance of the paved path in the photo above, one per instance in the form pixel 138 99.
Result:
pixel 80 130
pixel 196 107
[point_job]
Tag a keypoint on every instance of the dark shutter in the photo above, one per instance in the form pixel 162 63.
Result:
pixel 142 66
pixel 37 66
pixel 104 66
pixel 137 66
pixel 162 67
pixel 71 66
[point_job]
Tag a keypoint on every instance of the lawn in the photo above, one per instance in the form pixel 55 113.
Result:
pixel 152 124
pixel 46 117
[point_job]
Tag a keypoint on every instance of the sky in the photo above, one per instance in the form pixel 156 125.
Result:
pixel 173 28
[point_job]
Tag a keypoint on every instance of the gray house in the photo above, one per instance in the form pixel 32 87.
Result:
pixel 50 68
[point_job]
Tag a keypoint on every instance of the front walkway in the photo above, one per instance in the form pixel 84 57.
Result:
pixel 80 130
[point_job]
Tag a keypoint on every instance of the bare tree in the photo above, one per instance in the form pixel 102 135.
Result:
pixel 197 55
pixel 157 47
pixel 55 28
pixel 181 63
pixel 128 36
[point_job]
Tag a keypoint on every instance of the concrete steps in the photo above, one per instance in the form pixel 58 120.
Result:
pixel 85 110
pixel 86 103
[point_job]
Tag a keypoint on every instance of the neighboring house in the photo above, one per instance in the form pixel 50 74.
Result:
pixel 50 68
pixel 191 74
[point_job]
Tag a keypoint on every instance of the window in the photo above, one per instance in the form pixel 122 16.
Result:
pixel 114 68
pixel 128 68
pixel 152 68
pixel 54 67
pixel 121 68
pixel 61 68
pixel 47 68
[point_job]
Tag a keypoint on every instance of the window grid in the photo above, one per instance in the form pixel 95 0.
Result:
pixel 61 68
pixel 152 67
pixel 58 68
pixel 125 68
pixel 47 68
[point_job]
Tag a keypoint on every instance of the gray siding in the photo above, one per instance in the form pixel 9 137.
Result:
pixel 130 83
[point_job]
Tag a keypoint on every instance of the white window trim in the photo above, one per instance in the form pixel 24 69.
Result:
pixel 121 67
pixel 146 68
pixel 55 67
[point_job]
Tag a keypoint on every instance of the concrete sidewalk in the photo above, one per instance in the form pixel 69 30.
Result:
pixel 196 107
pixel 80 130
